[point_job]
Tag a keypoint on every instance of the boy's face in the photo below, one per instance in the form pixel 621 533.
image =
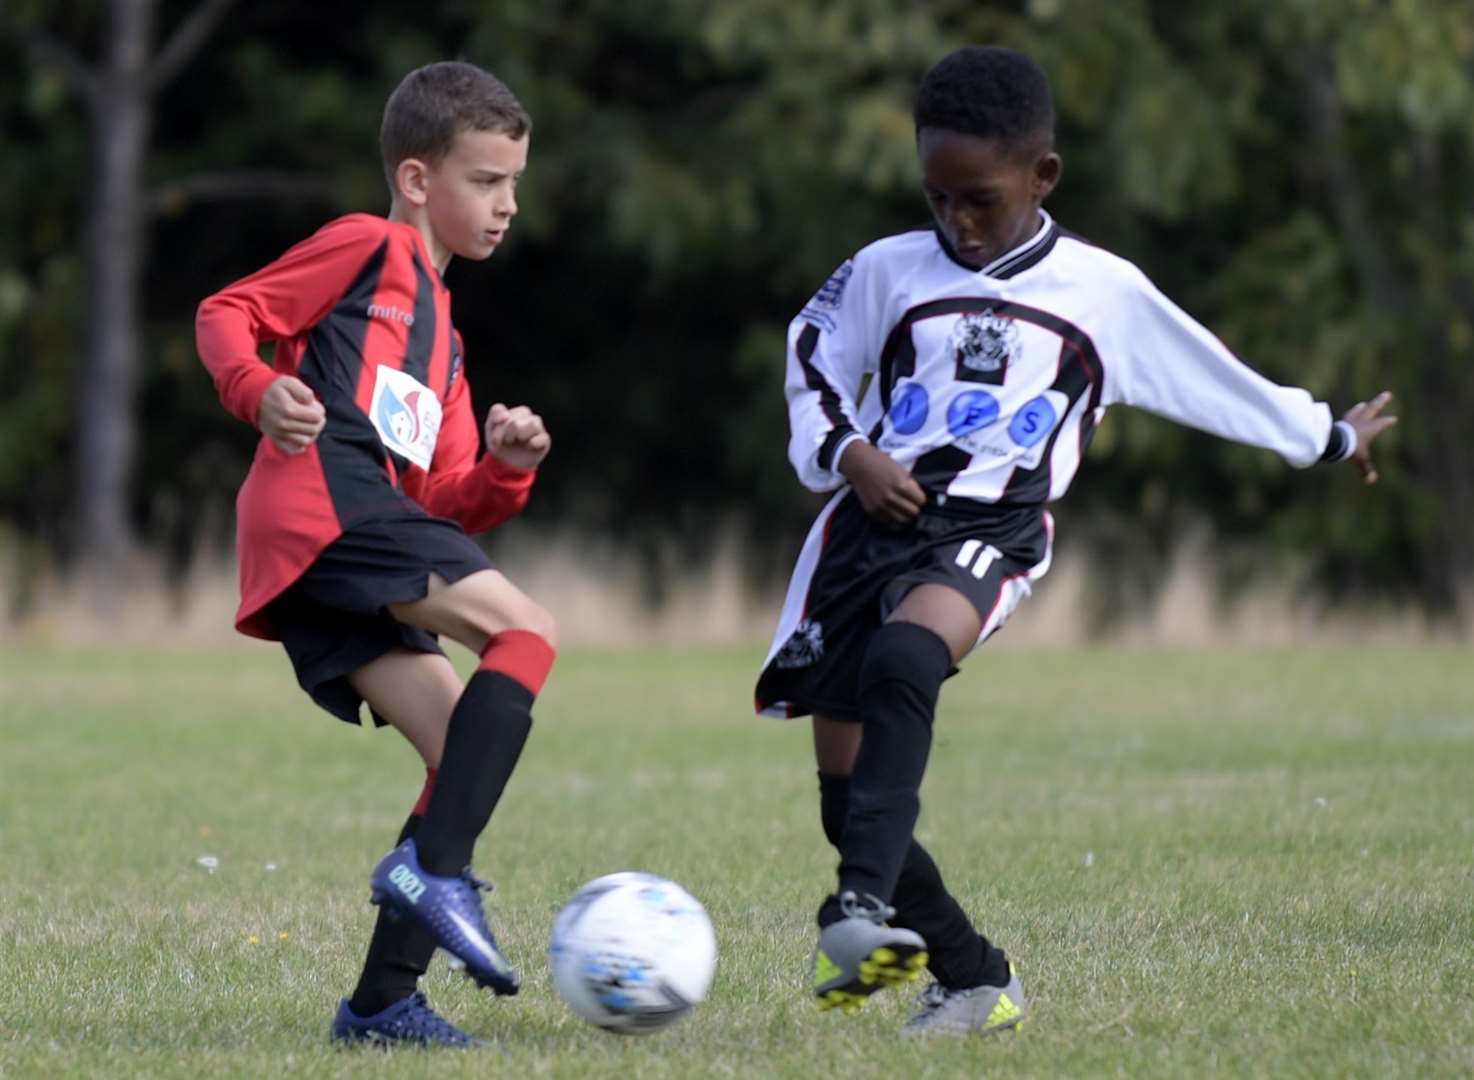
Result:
pixel 471 196
pixel 984 194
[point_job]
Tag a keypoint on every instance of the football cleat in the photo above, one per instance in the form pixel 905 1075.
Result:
pixel 410 1022
pixel 859 955
pixel 450 909
pixel 984 1009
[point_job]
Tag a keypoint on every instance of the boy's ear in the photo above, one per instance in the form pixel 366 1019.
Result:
pixel 1047 171
pixel 410 180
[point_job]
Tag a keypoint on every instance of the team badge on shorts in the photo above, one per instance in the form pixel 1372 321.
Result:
pixel 804 648
pixel 983 344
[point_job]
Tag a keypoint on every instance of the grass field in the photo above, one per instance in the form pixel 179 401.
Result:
pixel 1204 863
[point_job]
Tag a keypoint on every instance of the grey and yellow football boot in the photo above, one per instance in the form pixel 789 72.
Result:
pixel 982 1009
pixel 860 954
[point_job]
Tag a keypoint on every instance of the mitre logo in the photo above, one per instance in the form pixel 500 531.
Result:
pixel 393 314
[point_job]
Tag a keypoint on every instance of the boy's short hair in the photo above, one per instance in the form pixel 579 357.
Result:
pixel 435 103
pixel 991 92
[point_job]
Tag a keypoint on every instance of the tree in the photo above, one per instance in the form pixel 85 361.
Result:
pixel 119 93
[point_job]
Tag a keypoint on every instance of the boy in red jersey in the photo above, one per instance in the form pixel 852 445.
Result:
pixel 353 522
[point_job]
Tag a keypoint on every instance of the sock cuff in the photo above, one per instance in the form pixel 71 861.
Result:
pixel 424 801
pixel 520 655
pixel 906 652
pixel 833 782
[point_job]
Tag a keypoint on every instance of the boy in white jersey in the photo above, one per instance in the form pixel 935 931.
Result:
pixel 994 343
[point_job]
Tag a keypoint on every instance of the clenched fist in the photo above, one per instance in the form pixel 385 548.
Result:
pixel 290 414
pixel 516 436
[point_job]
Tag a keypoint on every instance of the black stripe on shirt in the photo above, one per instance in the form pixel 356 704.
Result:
pixel 421 344
pixel 808 341
pixel 351 453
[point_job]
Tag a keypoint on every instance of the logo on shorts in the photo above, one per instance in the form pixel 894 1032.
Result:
pixel 909 411
pixel 983 344
pixel 970 411
pixel 804 648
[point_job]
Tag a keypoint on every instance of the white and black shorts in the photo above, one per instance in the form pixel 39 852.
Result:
pixel 853 572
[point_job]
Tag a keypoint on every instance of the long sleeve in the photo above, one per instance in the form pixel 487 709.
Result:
pixel 1169 364
pixel 279 301
pixel 478 494
pixel 828 357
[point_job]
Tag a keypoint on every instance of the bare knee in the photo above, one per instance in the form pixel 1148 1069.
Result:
pixel 541 622
pixel 476 609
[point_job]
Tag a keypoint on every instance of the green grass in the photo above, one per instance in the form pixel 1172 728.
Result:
pixel 1238 864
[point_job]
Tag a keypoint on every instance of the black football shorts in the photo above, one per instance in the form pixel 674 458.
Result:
pixel 853 572
pixel 333 619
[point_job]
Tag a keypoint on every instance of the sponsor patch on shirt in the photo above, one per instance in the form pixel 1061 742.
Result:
pixel 406 414
pixel 825 305
pixel 970 411
pixel 910 409
pixel 1021 441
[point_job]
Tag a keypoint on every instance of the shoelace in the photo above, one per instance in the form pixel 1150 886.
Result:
pixel 932 995
pixel 476 884
pixel 423 1020
pixel 871 907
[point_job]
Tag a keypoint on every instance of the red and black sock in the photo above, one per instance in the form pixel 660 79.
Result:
pixel 487 731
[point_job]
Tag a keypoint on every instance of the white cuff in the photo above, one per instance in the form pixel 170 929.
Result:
pixel 844 444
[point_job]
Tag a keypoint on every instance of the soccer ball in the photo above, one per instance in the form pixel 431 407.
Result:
pixel 632 952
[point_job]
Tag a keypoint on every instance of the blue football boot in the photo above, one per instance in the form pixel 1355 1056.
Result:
pixel 410 1022
pixel 450 909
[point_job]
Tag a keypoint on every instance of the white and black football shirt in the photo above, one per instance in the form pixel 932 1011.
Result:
pixel 988 383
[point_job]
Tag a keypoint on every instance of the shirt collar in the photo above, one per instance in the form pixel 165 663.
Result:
pixel 1031 252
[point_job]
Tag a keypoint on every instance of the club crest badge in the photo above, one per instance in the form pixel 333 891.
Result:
pixel 804 648
pixel 983 345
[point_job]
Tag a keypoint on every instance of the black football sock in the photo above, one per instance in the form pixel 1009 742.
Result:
pixel 900 679
pixel 487 731
pixel 960 957
pixel 400 950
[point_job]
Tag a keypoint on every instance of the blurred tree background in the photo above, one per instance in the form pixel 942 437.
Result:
pixel 1297 173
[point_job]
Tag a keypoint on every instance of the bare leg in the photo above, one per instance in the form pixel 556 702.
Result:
pixel 476 609
pixel 416 693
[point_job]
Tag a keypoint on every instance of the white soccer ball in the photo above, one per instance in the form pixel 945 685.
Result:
pixel 632 952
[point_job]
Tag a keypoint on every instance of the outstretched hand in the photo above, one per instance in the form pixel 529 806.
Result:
pixel 516 436
pixel 886 490
pixel 1367 420
pixel 290 414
